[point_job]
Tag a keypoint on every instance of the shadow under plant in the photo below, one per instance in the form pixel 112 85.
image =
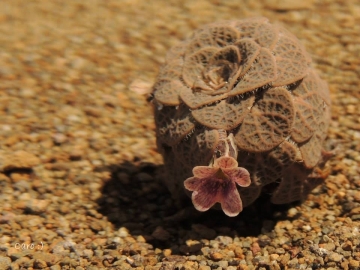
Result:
pixel 136 199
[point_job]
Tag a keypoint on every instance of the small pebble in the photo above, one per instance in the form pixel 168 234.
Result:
pixel 5 263
pixel 354 263
pixel 160 234
pixel 216 256
pixel 123 232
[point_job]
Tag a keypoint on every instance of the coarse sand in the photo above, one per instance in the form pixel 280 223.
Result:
pixel 80 175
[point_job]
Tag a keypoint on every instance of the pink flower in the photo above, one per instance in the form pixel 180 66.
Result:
pixel 217 184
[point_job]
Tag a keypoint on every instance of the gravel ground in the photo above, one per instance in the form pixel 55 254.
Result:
pixel 79 171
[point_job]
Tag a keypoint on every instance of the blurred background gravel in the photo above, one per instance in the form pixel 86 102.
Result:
pixel 79 172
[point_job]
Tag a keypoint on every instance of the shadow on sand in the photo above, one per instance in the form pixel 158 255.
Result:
pixel 135 198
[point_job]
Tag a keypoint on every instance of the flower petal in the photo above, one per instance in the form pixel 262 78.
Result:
pixel 203 200
pixel 204 171
pixel 239 175
pixel 209 192
pixel 193 183
pixel 231 202
pixel 226 162
pixel 210 188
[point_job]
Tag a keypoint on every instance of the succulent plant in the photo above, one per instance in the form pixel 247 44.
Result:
pixel 239 109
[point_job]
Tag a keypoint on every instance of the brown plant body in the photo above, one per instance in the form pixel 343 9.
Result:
pixel 244 90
